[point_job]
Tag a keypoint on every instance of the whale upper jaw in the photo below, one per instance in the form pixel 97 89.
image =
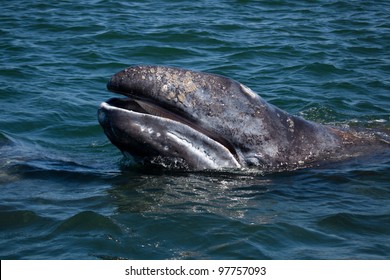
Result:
pixel 154 135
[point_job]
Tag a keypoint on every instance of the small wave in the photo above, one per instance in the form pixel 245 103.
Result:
pixel 20 219
pixel 87 222
pixel 356 223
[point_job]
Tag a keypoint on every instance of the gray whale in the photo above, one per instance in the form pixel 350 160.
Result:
pixel 191 120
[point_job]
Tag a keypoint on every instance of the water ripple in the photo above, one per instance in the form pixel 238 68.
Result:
pixel 65 192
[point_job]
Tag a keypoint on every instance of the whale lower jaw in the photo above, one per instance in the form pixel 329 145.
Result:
pixel 161 139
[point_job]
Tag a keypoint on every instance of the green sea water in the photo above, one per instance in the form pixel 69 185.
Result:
pixel 67 193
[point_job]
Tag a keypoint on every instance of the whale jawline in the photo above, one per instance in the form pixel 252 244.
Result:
pixel 148 111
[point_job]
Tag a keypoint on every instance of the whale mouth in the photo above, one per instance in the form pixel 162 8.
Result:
pixel 149 108
pixel 134 113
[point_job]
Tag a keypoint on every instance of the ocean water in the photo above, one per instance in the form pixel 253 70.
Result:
pixel 67 193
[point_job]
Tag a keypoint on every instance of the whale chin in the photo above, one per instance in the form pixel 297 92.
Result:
pixel 154 135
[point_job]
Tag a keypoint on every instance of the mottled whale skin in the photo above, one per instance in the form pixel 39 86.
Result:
pixel 192 120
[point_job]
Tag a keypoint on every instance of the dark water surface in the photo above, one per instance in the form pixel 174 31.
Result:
pixel 65 191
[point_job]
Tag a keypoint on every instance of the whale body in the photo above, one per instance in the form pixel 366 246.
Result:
pixel 178 118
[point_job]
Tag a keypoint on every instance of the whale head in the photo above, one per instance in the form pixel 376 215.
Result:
pixel 194 120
